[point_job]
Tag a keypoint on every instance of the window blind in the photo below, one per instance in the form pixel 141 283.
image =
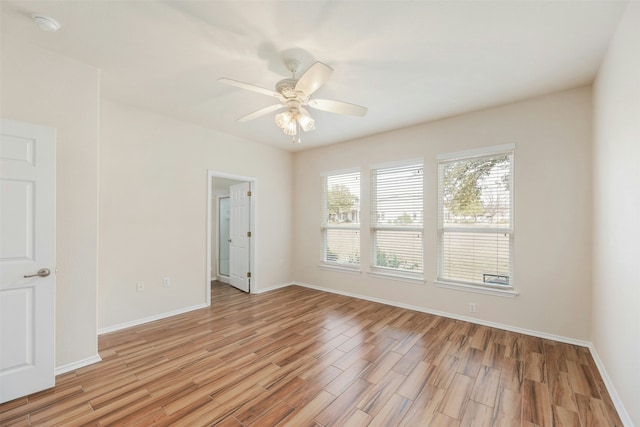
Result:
pixel 476 219
pixel 397 217
pixel 341 219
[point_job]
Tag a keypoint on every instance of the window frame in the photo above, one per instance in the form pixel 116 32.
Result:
pixel 389 272
pixel 485 288
pixel 325 226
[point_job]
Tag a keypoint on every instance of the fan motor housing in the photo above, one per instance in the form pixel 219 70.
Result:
pixel 287 87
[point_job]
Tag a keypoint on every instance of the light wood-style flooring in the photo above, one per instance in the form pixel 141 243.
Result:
pixel 301 357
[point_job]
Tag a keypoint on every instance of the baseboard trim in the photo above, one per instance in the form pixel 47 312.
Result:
pixel 77 365
pixel 617 402
pixel 153 318
pixel 224 279
pixel 453 316
pixel 273 288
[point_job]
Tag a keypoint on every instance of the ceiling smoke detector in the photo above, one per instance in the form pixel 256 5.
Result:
pixel 46 23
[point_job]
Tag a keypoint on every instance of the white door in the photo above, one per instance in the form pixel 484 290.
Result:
pixel 27 247
pixel 239 236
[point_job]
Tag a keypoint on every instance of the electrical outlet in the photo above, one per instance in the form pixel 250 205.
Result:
pixel 166 282
pixel 140 287
pixel 472 307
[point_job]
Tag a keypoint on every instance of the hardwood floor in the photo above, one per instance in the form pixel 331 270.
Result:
pixel 300 357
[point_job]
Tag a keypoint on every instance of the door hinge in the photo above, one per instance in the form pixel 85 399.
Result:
pixel 248 234
pixel 249 193
pixel 249 274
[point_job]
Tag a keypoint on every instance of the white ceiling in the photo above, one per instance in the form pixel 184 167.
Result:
pixel 409 62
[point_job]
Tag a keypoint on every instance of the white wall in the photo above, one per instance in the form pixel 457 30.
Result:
pixel 42 87
pixel 153 210
pixel 552 211
pixel 616 256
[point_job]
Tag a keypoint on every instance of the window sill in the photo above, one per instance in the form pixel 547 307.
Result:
pixel 342 269
pixel 505 293
pixel 398 276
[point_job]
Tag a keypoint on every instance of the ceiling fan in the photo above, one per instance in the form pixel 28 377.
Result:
pixel 294 94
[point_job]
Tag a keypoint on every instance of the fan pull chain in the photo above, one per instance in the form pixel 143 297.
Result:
pixel 293 137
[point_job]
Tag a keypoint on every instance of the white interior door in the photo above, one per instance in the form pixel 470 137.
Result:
pixel 27 247
pixel 224 235
pixel 239 228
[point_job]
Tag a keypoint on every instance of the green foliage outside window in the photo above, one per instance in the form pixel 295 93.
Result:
pixel 462 186
pixel 340 200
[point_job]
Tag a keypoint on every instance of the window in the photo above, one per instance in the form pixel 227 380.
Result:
pixel 475 220
pixel 397 218
pixel 341 219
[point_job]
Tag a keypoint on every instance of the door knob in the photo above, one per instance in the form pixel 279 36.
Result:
pixel 229 240
pixel 43 272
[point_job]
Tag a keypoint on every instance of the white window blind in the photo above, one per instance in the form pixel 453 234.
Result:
pixel 341 219
pixel 397 223
pixel 476 218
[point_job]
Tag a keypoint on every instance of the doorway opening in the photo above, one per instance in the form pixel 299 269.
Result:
pixel 230 231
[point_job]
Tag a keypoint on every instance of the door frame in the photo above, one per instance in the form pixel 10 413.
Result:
pixel 253 184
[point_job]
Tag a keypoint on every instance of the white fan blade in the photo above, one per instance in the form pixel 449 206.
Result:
pixel 313 78
pixel 248 86
pixel 261 112
pixel 338 107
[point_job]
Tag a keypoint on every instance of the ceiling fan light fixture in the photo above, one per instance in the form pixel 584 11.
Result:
pixel 291 128
pixel 305 121
pixel 283 119
pixel 294 93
